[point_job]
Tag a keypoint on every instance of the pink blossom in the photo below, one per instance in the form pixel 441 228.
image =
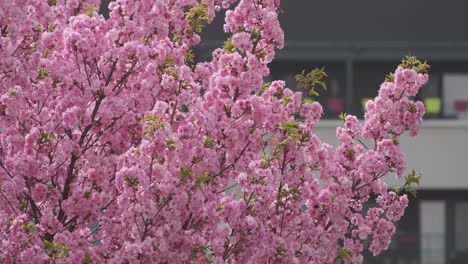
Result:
pixel 108 124
pixel 242 41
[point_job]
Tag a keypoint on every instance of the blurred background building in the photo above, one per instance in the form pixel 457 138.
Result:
pixel 359 42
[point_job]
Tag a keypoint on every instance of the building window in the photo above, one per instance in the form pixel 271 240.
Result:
pixel 455 92
pixel 432 225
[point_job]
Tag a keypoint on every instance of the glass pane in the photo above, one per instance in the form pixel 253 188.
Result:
pixel 456 95
pixel 432 217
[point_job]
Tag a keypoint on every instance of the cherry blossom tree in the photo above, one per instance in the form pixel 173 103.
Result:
pixel 116 147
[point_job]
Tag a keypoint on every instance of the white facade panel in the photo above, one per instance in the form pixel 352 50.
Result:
pixel 439 152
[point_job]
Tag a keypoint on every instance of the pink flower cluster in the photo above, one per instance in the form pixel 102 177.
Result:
pixel 116 148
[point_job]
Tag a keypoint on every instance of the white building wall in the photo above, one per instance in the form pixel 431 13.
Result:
pixel 439 152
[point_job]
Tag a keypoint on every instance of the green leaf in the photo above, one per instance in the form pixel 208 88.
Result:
pixel 411 62
pixel 342 117
pixel 201 249
pixel 185 172
pixel 210 142
pixel 153 123
pixel 312 80
pixel 264 87
pixel 171 72
pixel 132 182
pixel 87 259
pixel 42 73
pixel 390 77
pixel 145 39
pixel 91 11
pixel 176 37
pixel 50 28
pixel 45 138
pixel 279 251
pixel 170 144
pixel 411 108
pixel 286 100
pixel 203 179
pixel 189 56
pixel 411 190
pixel 168 62
pixel 229 47
pixel 341 255
pixel 198 17
pixel 290 127
pixel 57 250
pixel 307 100
pixel 55 82
pixel 29 227
pixel 411 183
pixel 412 179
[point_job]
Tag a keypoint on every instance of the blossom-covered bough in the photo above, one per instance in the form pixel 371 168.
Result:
pixel 115 147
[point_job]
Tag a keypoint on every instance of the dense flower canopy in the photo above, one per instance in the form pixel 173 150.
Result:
pixel 116 147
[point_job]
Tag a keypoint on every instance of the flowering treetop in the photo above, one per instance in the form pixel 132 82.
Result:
pixel 111 123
